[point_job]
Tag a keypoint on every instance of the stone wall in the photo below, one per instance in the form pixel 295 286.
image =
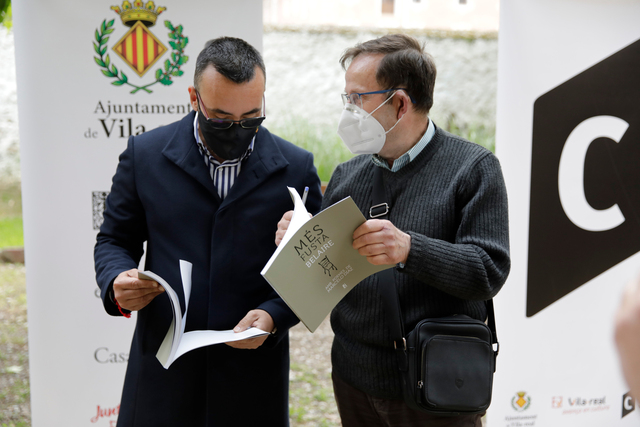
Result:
pixel 305 80
pixel 9 142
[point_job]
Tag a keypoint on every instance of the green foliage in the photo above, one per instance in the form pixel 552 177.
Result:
pixel 11 232
pixel 10 215
pixel 321 140
pixel 306 390
pixel 6 17
pixel 297 414
pixel 329 150
pixel 478 133
pixel 321 395
pixel 10 199
pixel 14 364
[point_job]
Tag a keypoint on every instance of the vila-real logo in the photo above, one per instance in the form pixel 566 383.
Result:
pixel 521 401
pixel 139 48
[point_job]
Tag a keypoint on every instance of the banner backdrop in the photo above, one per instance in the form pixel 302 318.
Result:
pixel 568 137
pixel 89 75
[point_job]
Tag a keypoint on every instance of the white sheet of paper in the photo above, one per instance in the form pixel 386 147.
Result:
pixel 300 218
pixel 177 342
pixel 196 339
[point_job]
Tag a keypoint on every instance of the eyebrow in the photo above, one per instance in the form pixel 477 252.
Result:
pixel 224 113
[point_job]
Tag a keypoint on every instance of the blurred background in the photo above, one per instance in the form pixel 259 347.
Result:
pixel 303 41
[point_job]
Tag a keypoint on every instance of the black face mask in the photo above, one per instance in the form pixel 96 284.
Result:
pixel 228 143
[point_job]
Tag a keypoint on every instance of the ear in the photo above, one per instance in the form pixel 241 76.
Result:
pixel 193 99
pixel 403 102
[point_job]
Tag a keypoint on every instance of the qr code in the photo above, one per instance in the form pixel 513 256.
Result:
pixel 98 200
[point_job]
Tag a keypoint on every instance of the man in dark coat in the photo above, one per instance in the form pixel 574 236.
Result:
pixel 208 189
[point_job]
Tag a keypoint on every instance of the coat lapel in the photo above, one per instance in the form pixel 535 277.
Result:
pixel 183 151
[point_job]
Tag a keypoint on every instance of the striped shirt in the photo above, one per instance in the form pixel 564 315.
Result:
pixel 223 174
pixel 407 157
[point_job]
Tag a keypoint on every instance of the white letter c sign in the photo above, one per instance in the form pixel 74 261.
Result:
pixel 571 174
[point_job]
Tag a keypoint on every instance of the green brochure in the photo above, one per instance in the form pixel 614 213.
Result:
pixel 315 265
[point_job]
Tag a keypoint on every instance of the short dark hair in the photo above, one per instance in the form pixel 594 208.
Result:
pixel 232 57
pixel 405 64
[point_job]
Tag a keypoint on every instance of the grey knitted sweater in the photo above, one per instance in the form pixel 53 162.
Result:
pixel 452 200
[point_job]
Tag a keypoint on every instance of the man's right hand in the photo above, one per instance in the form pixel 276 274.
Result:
pixel 132 293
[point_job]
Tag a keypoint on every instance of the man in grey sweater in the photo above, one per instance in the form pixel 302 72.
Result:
pixel 447 232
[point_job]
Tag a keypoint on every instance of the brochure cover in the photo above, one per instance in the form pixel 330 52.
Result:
pixel 315 265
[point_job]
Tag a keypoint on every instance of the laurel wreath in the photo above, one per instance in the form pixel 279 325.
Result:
pixel 163 76
pixel 514 406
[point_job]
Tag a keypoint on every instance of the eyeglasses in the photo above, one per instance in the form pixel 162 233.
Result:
pixel 356 98
pixel 248 123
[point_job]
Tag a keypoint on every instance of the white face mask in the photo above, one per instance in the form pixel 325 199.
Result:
pixel 360 131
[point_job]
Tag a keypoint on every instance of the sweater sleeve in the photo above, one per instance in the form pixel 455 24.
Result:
pixel 477 263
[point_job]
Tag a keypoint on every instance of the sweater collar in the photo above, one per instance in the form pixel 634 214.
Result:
pixel 410 155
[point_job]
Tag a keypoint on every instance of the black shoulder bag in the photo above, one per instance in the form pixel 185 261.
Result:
pixel 446 363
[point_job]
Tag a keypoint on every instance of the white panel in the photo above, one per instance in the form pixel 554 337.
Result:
pixel 563 357
pixel 77 353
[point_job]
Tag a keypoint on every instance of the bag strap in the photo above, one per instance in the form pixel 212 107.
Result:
pixel 387 289
pixel 386 282
pixel 491 322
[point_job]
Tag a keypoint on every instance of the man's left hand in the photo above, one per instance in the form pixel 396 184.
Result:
pixel 381 242
pixel 258 319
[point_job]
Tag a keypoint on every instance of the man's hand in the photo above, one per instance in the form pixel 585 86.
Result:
pixel 627 335
pixel 132 293
pixel 381 242
pixel 283 225
pixel 258 319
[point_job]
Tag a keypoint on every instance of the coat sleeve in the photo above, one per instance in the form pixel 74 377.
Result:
pixel 282 315
pixel 477 263
pixel 119 244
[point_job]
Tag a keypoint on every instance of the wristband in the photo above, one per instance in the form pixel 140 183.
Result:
pixel 127 315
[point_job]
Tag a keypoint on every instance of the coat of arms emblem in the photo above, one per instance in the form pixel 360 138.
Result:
pixel 139 48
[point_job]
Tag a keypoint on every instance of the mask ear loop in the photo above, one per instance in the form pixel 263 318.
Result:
pixel 394 125
pixel 387 100
pixel 370 114
pixel 397 121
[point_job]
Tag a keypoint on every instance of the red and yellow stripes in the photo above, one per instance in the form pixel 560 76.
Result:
pixel 139 48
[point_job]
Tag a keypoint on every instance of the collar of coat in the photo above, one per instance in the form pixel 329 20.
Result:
pixel 266 159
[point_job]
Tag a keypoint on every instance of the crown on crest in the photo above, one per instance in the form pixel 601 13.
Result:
pixel 147 12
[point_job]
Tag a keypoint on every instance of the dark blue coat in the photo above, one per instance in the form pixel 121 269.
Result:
pixel 162 193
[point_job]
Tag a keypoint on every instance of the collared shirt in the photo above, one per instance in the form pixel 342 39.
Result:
pixel 223 174
pixel 407 157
